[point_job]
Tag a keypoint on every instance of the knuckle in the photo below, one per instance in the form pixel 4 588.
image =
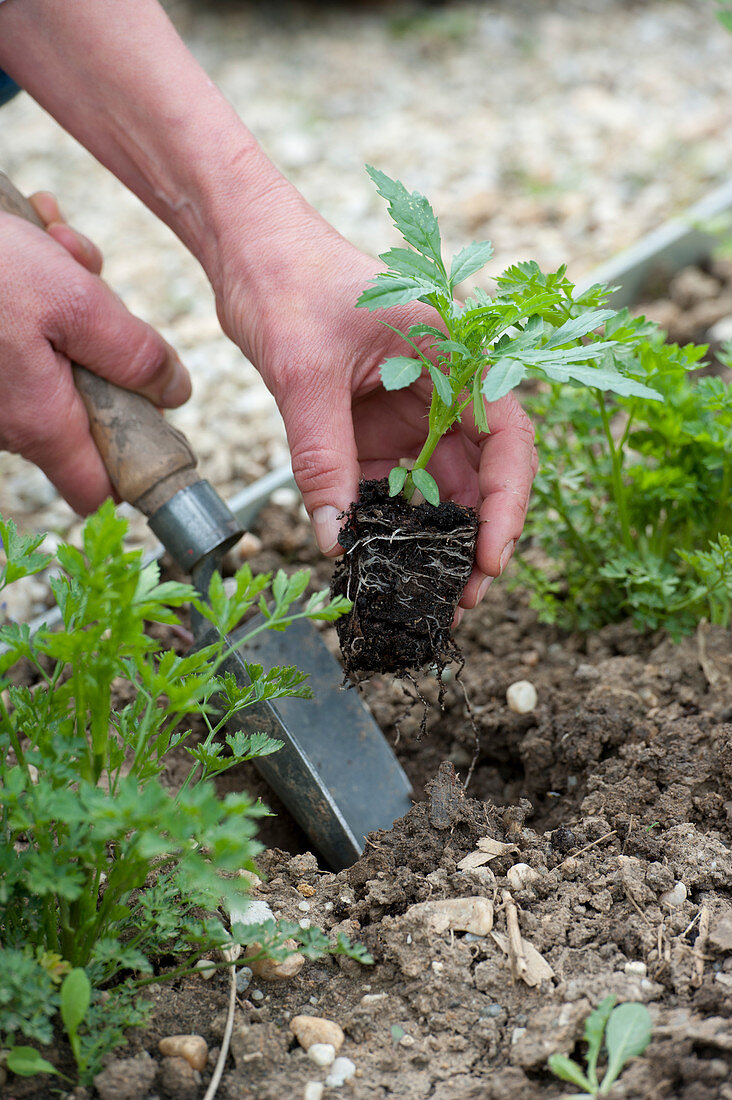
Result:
pixel 146 356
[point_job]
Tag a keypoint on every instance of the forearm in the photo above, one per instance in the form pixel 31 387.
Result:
pixel 115 74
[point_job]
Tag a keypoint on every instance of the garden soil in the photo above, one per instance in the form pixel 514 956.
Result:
pixel 614 794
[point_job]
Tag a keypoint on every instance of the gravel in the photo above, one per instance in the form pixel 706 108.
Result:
pixel 563 132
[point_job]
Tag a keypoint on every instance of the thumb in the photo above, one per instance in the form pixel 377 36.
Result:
pixel 319 427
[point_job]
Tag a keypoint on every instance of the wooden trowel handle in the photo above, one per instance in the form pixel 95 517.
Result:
pixel 146 458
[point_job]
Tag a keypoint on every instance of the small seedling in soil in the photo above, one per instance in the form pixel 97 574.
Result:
pixel 626 1031
pixel 405 569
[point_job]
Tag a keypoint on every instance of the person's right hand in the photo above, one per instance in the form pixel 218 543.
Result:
pixel 55 310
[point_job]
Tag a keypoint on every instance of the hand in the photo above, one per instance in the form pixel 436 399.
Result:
pixel 54 309
pixel 319 356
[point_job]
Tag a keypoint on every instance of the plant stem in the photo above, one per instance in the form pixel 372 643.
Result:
pixel 617 468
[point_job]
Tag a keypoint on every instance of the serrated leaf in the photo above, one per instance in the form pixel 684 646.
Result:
pixel 503 376
pixel 396 290
pixel 411 213
pixel 400 371
pixel 427 486
pixel 75 999
pixel 469 260
pixel 567 1070
pixel 397 477
pixel 442 384
pixel 405 261
pixel 627 1035
pixel 579 326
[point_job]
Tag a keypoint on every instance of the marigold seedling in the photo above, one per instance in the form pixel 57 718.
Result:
pixel 482 348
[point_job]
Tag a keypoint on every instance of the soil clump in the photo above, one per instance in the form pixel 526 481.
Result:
pixel 404 570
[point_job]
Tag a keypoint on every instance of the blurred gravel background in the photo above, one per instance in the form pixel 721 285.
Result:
pixel 563 131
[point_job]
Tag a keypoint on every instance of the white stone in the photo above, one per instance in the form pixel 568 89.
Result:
pixel 635 969
pixel 521 876
pixel 322 1054
pixel 674 897
pixel 207 968
pixel 313 1090
pixel 521 697
pixel 342 1070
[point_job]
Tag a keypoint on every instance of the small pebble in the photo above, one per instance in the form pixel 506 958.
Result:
pixel 304 922
pixel 193 1048
pixel 342 1070
pixel 313 1090
pixel 521 697
pixel 635 969
pixel 321 1054
pixel 674 897
pixel 521 876
pixel 406 1041
pixel 304 906
pixel 257 995
pixel 316 1029
pixel 243 979
pixel 305 889
pixel 491 1011
pixel 207 968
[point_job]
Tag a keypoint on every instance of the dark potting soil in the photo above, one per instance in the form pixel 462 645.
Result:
pixel 404 570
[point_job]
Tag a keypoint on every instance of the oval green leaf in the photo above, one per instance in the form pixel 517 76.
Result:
pixel 397 477
pixel 75 998
pixel 427 486
pixel 26 1061
pixel 627 1035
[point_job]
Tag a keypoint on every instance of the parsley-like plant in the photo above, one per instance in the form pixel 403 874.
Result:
pixel 103 868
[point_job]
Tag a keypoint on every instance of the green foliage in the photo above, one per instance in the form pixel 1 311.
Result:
pixel 631 501
pixel 486 346
pixel 102 867
pixel 626 1031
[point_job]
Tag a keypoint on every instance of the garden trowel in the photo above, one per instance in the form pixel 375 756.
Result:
pixel 335 772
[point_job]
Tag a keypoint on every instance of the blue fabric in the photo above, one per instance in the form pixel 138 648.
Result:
pixel 8 88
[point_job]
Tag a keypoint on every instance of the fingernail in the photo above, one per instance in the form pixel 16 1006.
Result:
pixel 326 527
pixel 178 389
pixel 482 589
pixel 506 554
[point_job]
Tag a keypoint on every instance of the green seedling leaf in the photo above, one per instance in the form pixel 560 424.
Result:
pixel 503 376
pixel 26 1062
pixel 579 326
pixel 396 290
pixel 75 999
pixel 411 213
pixel 594 1031
pixel 427 486
pixel 627 1035
pixel 441 384
pixel 399 372
pixel 567 1070
pixel 397 477
pixel 469 260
